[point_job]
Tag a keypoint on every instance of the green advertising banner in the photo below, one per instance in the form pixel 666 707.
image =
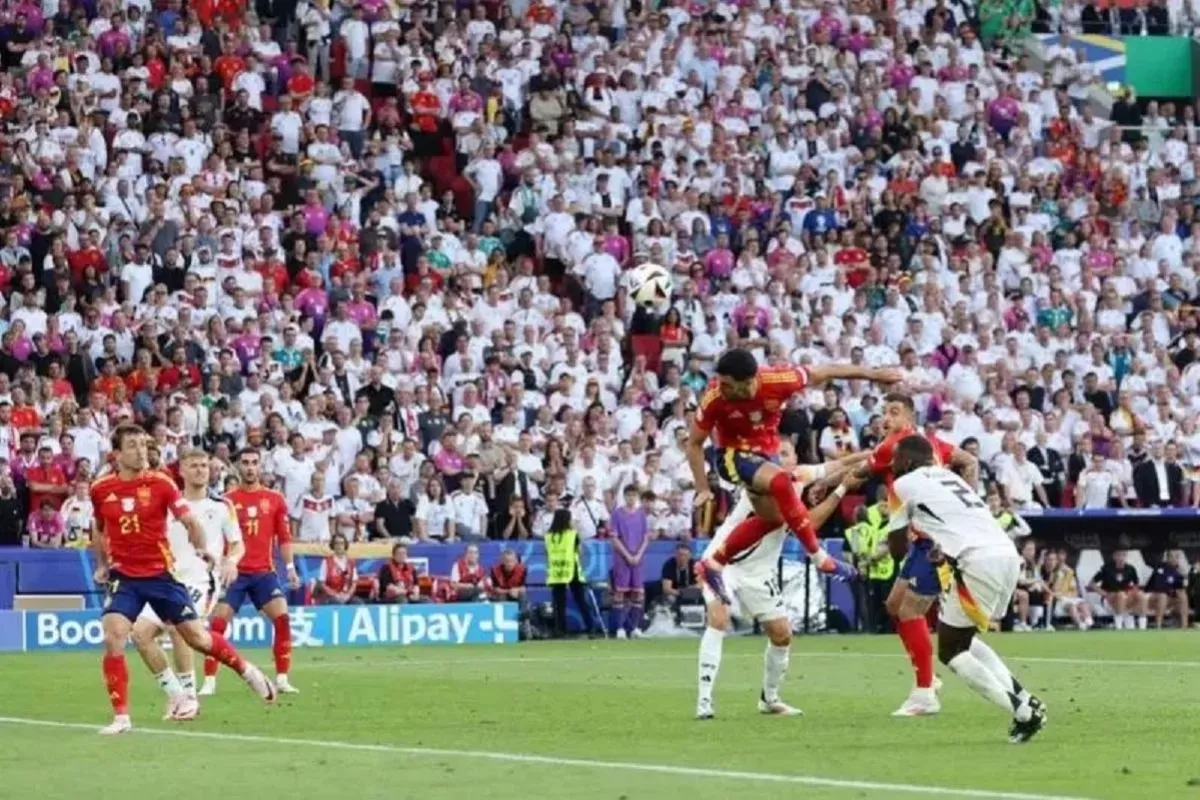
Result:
pixel 1161 66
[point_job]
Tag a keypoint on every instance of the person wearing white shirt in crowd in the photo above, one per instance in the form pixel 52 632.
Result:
pixel 470 510
pixel 589 513
pixel 1096 484
pixel 313 514
pixel 1022 481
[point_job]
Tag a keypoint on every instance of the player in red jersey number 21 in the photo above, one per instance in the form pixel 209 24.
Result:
pixel 741 411
pixel 263 518
pixel 133 558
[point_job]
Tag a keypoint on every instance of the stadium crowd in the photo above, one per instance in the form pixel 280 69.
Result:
pixel 386 242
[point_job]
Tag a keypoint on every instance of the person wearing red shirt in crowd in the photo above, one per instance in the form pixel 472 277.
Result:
pixel 741 411
pixel 89 255
pixel 133 556
pixel 263 517
pixel 24 416
pixel 338 580
pixel 60 387
pixel 228 65
pixel 46 481
pixel 426 106
pixel 179 374
pixel 300 86
pixel 468 578
pixel 109 381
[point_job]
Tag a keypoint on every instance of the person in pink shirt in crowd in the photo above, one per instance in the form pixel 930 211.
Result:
pixel 718 262
pixel 316 215
pixel 46 527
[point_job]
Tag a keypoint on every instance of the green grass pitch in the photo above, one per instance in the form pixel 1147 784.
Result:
pixel 571 720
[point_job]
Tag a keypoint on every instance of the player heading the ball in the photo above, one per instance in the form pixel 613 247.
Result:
pixel 741 412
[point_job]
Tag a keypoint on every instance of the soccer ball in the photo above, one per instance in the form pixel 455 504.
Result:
pixel 650 285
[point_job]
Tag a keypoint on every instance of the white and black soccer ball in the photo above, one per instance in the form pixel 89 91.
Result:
pixel 650 285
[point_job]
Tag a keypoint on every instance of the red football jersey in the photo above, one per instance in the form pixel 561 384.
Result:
pixel 752 424
pixel 262 516
pixel 881 457
pixel 133 516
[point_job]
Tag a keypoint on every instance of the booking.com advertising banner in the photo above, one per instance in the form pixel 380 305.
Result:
pixel 319 626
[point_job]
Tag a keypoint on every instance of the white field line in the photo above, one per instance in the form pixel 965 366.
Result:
pixel 580 763
pixel 798 653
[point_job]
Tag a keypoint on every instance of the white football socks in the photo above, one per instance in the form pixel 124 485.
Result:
pixel 775 667
pixel 188 681
pixel 711 644
pixel 981 679
pixel 169 682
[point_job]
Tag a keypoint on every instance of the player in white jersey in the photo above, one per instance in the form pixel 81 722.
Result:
pixel 978 567
pixel 752 580
pixel 203 573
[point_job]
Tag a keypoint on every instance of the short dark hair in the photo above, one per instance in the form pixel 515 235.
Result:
pixel 738 364
pixel 912 452
pixel 902 399
pixel 123 432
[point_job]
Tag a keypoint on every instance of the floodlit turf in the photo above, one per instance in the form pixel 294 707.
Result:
pixel 1124 723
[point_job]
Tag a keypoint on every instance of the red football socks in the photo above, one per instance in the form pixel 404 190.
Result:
pixel 283 644
pixel 919 644
pixel 223 651
pixel 744 535
pixel 116 680
pixel 792 509
pixel 211 665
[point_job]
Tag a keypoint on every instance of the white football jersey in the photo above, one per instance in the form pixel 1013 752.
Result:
pixel 764 556
pixel 220 525
pixel 938 504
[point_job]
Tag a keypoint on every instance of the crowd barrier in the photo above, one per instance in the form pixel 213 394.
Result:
pixel 312 626
pixel 69 572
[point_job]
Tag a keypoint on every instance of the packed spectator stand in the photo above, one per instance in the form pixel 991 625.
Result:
pixel 384 242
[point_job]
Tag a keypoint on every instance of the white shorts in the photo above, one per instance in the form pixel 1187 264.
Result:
pixel 202 591
pixel 1063 606
pixel 755 595
pixel 981 590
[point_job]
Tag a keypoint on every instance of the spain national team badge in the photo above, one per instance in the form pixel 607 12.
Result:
pixel 127 504
pixel 143 495
pixel 771 406
pixel 251 512
pixel 264 506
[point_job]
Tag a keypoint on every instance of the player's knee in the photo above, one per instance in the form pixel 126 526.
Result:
pixel 143 636
pixel 952 642
pixel 779 635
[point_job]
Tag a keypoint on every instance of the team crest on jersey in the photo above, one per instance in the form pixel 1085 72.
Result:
pixel 264 506
pixel 127 504
pixel 143 495
pixel 771 406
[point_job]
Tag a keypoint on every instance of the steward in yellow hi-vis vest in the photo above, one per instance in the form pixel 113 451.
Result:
pixel 564 571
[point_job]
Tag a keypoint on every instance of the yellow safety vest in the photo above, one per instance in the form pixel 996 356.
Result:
pixel 562 557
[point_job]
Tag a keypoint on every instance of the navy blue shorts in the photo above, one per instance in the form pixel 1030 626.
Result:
pixel 260 589
pixel 169 598
pixel 919 572
pixel 740 466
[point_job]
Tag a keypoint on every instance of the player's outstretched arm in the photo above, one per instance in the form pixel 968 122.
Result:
pixel 845 372
pixel 695 456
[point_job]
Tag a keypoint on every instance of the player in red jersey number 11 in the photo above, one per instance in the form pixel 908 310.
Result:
pixel 741 411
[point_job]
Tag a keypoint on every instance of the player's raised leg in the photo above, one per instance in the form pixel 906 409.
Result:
pixel 193 632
